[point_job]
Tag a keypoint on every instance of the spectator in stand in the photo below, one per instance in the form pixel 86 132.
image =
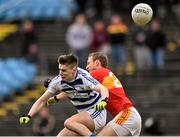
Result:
pixel 156 41
pixel 152 127
pixel 79 38
pixel 117 31
pixel 28 36
pixel 30 47
pixel 141 51
pixel 32 55
pixel 44 123
pixel 100 40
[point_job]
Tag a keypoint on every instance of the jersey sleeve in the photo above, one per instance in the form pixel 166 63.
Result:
pixel 89 81
pixel 95 75
pixel 54 86
pixel 98 75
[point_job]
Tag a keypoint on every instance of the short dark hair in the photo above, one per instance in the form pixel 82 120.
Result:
pixel 101 57
pixel 68 59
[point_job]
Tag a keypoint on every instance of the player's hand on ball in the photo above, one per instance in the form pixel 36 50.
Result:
pixel 24 119
pixel 100 106
pixel 46 82
pixel 52 100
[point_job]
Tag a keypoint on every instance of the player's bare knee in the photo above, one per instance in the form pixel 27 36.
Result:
pixel 68 123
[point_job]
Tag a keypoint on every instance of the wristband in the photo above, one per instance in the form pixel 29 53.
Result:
pixel 26 116
pixel 55 98
pixel 106 99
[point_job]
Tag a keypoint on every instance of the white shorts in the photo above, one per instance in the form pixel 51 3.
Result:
pixel 127 122
pixel 99 118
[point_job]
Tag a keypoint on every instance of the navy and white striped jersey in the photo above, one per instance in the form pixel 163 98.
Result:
pixel 80 91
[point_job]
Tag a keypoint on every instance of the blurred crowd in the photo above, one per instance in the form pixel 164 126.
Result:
pixel 100 26
pixel 112 37
pixel 44 123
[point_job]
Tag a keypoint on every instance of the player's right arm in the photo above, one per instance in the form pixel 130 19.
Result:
pixel 36 107
pixel 53 87
pixel 40 103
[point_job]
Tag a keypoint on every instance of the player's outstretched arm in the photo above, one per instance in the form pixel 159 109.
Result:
pixel 25 119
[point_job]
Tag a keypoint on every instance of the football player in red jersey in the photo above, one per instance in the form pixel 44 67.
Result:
pixel 127 120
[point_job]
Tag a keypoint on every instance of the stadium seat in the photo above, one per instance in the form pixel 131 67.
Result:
pixel 16 74
pixel 7 78
pixel 37 9
pixel 21 70
pixel 50 13
pixel 5 89
pixel 10 15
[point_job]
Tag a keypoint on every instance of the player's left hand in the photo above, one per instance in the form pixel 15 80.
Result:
pixel 52 101
pixel 100 105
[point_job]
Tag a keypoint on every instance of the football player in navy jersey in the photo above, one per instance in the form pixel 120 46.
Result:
pixel 87 95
